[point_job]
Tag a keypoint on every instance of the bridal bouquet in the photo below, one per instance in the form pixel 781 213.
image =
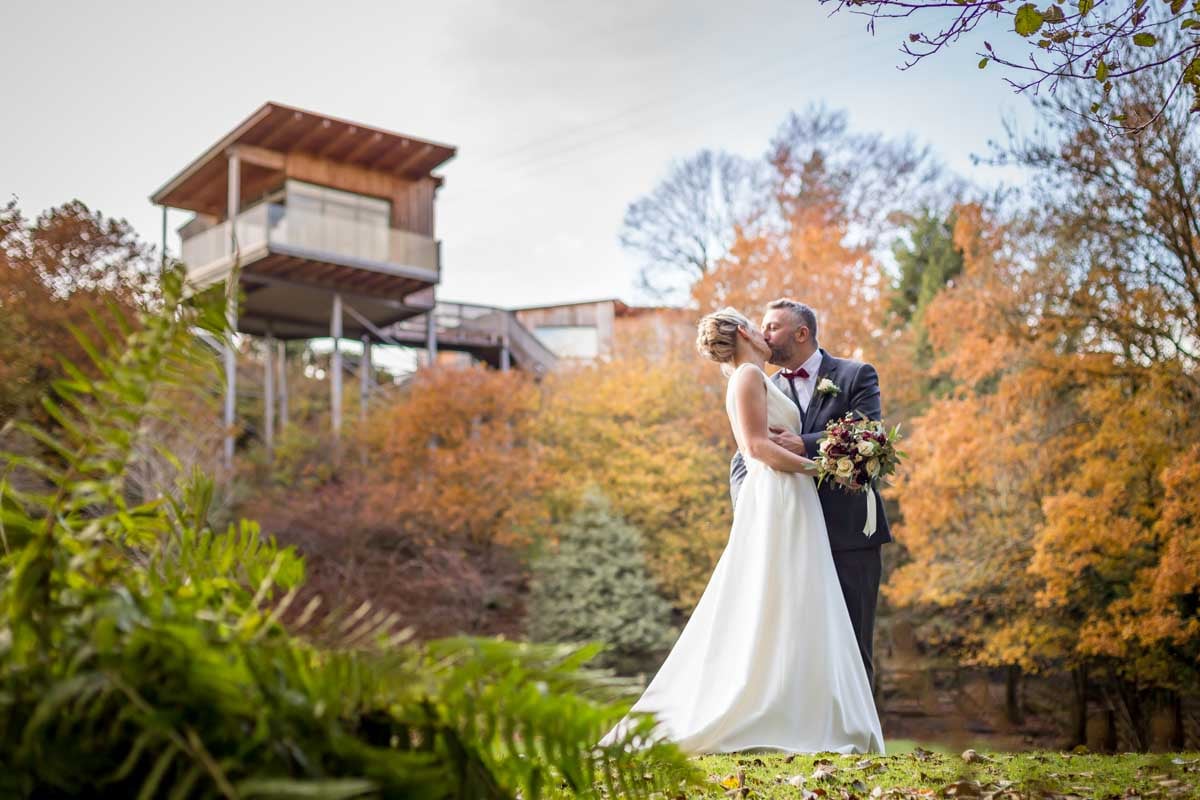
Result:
pixel 855 453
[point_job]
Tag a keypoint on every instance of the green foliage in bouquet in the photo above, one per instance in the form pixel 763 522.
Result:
pixel 595 587
pixel 142 652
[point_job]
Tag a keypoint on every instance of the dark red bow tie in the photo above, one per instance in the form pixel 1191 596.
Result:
pixel 792 374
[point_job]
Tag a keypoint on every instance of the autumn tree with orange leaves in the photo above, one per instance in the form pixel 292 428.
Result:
pixel 1046 495
pixel 971 492
pixel 835 195
pixel 56 271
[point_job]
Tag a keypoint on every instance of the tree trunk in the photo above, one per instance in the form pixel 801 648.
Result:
pixel 1178 733
pixel 1079 679
pixel 1110 728
pixel 1012 698
pixel 1130 697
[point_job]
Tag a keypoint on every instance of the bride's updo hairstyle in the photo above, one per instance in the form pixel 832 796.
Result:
pixel 716 335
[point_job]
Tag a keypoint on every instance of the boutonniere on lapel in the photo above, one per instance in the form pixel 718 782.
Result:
pixel 828 387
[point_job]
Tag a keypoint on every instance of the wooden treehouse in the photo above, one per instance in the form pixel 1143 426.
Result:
pixel 332 224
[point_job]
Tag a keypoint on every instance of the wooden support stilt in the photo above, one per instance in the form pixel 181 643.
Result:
pixel 335 367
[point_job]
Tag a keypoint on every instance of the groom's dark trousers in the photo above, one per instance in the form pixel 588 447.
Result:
pixel 858 572
pixel 857 558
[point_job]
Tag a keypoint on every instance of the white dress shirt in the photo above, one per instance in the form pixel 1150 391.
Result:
pixel 805 387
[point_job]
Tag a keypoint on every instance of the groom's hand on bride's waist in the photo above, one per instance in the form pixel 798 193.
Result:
pixel 789 441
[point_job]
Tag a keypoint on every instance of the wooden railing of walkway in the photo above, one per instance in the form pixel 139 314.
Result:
pixel 493 335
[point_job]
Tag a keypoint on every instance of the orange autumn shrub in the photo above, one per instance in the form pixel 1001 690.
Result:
pixel 457 455
pixel 649 430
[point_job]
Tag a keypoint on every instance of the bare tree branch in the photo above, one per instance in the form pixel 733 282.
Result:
pixel 691 219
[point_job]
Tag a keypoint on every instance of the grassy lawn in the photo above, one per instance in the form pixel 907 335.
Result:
pixel 911 771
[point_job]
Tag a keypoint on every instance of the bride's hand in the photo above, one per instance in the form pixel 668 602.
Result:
pixel 788 441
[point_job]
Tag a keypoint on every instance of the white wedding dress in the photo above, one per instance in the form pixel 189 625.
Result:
pixel 768 659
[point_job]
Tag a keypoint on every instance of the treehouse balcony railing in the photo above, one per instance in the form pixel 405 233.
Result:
pixel 272 227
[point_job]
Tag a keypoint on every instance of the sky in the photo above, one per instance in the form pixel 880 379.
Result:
pixel 563 112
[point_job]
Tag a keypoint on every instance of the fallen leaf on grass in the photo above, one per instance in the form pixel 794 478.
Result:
pixel 963 789
pixel 735 781
pixel 825 769
pixel 921 754
pixel 972 757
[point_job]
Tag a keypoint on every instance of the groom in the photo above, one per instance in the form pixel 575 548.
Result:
pixel 826 388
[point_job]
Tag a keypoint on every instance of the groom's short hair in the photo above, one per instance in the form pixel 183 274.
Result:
pixel 803 314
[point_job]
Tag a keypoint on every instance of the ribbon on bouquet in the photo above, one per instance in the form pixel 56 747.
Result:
pixel 869 528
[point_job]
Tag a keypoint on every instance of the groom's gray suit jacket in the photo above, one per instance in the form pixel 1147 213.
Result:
pixel 845 513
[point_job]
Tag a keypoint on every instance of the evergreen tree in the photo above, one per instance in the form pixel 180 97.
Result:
pixel 927 261
pixel 595 587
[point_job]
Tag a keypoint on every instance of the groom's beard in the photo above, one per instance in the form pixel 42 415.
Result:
pixel 780 356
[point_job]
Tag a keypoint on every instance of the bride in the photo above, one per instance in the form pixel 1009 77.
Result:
pixel 768 659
